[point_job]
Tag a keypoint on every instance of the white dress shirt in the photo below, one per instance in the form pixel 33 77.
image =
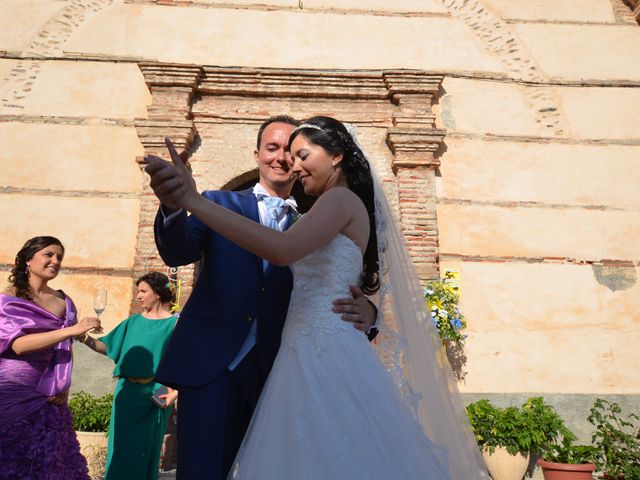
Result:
pixel 265 218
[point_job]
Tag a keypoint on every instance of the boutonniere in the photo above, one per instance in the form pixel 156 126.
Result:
pixel 295 216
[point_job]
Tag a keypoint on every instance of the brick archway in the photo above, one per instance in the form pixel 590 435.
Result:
pixel 216 111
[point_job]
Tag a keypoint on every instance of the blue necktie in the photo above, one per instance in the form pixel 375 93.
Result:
pixel 276 208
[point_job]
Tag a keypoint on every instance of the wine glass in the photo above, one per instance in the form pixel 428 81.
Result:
pixel 99 304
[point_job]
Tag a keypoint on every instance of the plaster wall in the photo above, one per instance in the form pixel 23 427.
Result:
pixel 422 7
pixel 248 38
pixel 583 51
pixel 602 112
pixel 541 173
pixel 527 212
pixel 538 232
pixel 79 89
pixel 21 20
pixel 53 157
pixel 505 108
pixel 96 232
pixel 548 327
pixel 227 36
pixel 552 10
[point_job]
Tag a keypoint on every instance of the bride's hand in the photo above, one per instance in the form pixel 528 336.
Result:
pixel 172 183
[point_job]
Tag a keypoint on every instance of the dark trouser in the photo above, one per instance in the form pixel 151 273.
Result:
pixel 212 421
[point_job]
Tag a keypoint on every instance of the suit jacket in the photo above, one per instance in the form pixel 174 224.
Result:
pixel 232 290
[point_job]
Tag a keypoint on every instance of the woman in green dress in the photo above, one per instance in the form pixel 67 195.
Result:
pixel 136 346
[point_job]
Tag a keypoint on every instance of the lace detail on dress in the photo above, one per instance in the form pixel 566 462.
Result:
pixel 310 319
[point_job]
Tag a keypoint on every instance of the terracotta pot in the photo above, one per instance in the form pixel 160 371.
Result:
pixel 503 466
pixel 566 471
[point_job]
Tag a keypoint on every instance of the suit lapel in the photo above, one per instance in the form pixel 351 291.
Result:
pixel 287 224
pixel 249 204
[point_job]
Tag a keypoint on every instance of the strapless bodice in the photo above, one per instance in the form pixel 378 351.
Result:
pixel 318 279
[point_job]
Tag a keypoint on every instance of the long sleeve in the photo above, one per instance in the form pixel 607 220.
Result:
pixel 182 240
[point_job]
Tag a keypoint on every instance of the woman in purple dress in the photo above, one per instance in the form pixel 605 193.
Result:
pixel 37 324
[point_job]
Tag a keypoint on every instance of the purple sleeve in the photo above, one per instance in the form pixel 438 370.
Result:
pixel 15 322
pixel 20 317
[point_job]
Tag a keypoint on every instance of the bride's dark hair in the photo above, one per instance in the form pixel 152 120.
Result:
pixel 332 135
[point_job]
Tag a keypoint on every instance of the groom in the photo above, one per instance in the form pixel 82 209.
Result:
pixel 225 342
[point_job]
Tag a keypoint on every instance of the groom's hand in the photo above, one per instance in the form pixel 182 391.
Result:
pixel 162 180
pixel 357 310
pixel 172 182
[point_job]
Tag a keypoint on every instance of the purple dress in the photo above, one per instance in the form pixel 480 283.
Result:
pixel 37 440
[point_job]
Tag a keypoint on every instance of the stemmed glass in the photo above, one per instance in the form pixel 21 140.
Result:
pixel 99 304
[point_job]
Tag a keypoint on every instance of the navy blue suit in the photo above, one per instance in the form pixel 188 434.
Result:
pixel 232 291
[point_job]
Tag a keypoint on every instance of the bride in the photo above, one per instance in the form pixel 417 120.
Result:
pixel 331 409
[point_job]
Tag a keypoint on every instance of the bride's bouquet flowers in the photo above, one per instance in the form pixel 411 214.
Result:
pixel 442 299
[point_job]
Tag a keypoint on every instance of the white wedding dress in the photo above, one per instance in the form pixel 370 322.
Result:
pixel 330 410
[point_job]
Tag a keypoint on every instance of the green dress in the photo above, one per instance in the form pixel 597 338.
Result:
pixel 137 425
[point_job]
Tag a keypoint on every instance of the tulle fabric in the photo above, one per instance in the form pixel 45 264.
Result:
pixel 330 409
pixel 42 446
pixel 411 348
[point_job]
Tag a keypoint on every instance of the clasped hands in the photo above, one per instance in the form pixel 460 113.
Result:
pixel 172 182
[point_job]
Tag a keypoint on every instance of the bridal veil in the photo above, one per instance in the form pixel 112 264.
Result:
pixel 411 348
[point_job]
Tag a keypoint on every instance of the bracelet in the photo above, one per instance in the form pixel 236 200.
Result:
pixel 82 338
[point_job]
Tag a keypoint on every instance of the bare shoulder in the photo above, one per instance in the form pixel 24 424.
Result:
pixel 340 204
pixel 340 195
pixel 345 200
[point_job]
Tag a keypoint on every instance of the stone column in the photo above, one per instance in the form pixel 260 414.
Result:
pixel 172 88
pixel 415 141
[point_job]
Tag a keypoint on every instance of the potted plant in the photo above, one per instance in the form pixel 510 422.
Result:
pixel 91 416
pixel 511 434
pixel 617 439
pixel 566 461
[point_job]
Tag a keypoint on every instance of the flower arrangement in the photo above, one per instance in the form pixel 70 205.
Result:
pixel 442 300
pixel 295 216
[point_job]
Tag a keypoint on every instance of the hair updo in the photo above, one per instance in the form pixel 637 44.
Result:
pixel 332 135
pixel 19 277
pixel 160 284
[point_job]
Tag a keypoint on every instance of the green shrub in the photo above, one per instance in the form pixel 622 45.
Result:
pixel 617 439
pixel 90 414
pixel 567 452
pixel 531 428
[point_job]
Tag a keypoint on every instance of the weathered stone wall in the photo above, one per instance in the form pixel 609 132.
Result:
pixel 532 197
